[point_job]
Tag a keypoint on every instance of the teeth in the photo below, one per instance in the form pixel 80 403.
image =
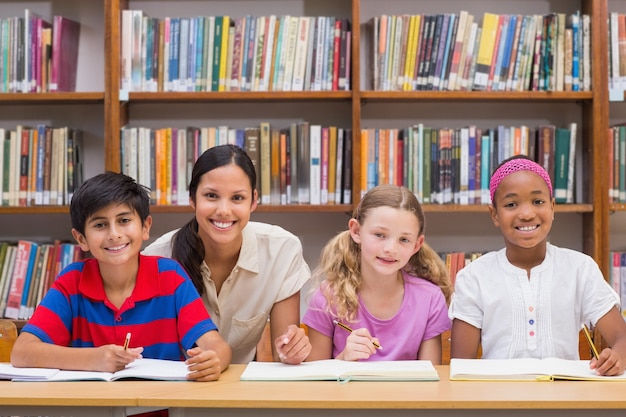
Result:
pixel 527 228
pixel 117 247
pixel 222 225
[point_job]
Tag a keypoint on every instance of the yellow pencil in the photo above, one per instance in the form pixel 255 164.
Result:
pixel 345 327
pixel 127 341
pixel 590 341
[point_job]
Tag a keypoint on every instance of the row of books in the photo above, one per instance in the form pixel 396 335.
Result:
pixel 40 165
pixel 443 166
pixel 300 164
pixel 617 278
pixel 617 163
pixel 507 53
pixel 455 261
pixel 617 51
pixel 27 269
pixel 220 53
pixel 38 56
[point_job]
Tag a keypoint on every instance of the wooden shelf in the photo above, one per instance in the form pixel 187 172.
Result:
pixel 240 96
pixel 52 98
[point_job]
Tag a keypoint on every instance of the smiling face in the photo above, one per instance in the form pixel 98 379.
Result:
pixel 114 235
pixel 388 238
pixel 223 203
pixel 524 212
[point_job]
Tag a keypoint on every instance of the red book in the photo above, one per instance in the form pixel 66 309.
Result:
pixel 65 38
pixel 336 50
pixel 20 270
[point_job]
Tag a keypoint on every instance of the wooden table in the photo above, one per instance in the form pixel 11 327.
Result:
pixel 231 397
pixel 443 398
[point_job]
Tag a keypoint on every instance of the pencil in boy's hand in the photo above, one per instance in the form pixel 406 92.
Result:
pixel 594 351
pixel 127 341
pixel 348 329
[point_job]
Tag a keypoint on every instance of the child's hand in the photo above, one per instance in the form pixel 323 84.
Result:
pixel 204 365
pixel 114 358
pixel 608 363
pixel 293 346
pixel 359 345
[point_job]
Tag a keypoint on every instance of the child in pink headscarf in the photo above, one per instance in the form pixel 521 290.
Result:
pixel 530 299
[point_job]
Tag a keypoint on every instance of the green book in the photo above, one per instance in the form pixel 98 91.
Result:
pixel 561 163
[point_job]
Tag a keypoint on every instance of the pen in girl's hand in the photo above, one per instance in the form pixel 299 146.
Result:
pixel 348 329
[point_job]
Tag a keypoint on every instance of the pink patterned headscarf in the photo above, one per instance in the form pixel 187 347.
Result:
pixel 515 165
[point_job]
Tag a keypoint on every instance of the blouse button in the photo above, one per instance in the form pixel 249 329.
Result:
pixel 531 333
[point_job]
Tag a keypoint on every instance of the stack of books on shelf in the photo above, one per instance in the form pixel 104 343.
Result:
pixel 455 261
pixel 506 53
pixel 299 164
pixel 39 166
pixel 27 269
pixel 38 55
pixel 617 51
pixel 453 166
pixel 223 53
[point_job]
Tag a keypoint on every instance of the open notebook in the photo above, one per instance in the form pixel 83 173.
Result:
pixel 334 370
pixel 527 369
pixel 155 369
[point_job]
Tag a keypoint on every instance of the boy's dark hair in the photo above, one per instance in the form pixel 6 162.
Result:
pixel 104 189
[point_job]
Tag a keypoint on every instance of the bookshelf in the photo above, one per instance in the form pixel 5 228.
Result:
pixel 101 111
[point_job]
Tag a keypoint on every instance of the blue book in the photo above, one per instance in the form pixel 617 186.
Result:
pixel 494 84
pixel 149 47
pixel 199 52
pixel 506 54
pixel 450 40
pixel 485 168
pixel 574 22
pixel 173 58
pixel 28 280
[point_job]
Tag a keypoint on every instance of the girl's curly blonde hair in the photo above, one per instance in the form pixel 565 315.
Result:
pixel 339 269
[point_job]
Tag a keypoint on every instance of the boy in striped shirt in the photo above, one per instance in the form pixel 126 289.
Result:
pixel 82 322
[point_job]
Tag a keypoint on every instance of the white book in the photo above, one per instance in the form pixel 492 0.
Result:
pixel 269 40
pixel 7 273
pixel 335 369
pixel 464 181
pixel 571 164
pixel 315 178
pixel 182 197
pixel 319 52
pixel 290 49
pixel 614 77
pixel 524 369
pixel 299 67
pixel 144 368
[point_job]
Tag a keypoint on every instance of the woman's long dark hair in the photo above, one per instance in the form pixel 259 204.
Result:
pixel 187 246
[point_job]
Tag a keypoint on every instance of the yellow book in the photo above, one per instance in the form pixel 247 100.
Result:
pixel 413 44
pixel 485 50
pixel 224 53
pixel 363 160
pixel 332 164
pixel 168 167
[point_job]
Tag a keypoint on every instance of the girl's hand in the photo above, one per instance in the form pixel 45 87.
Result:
pixel 113 358
pixel 203 365
pixel 293 345
pixel 608 363
pixel 359 345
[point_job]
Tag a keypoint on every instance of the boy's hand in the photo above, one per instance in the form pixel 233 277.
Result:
pixel 359 345
pixel 204 365
pixel 608 363
pixel 114 358
pixel 293 346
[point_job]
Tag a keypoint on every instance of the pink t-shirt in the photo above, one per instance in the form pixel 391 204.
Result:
pixel 422 316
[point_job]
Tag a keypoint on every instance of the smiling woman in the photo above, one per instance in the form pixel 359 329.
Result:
pixel 246 272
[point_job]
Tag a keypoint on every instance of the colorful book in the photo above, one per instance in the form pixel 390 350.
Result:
pixel 65 42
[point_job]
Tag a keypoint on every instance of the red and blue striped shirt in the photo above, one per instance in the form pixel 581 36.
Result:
pixel 164 313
